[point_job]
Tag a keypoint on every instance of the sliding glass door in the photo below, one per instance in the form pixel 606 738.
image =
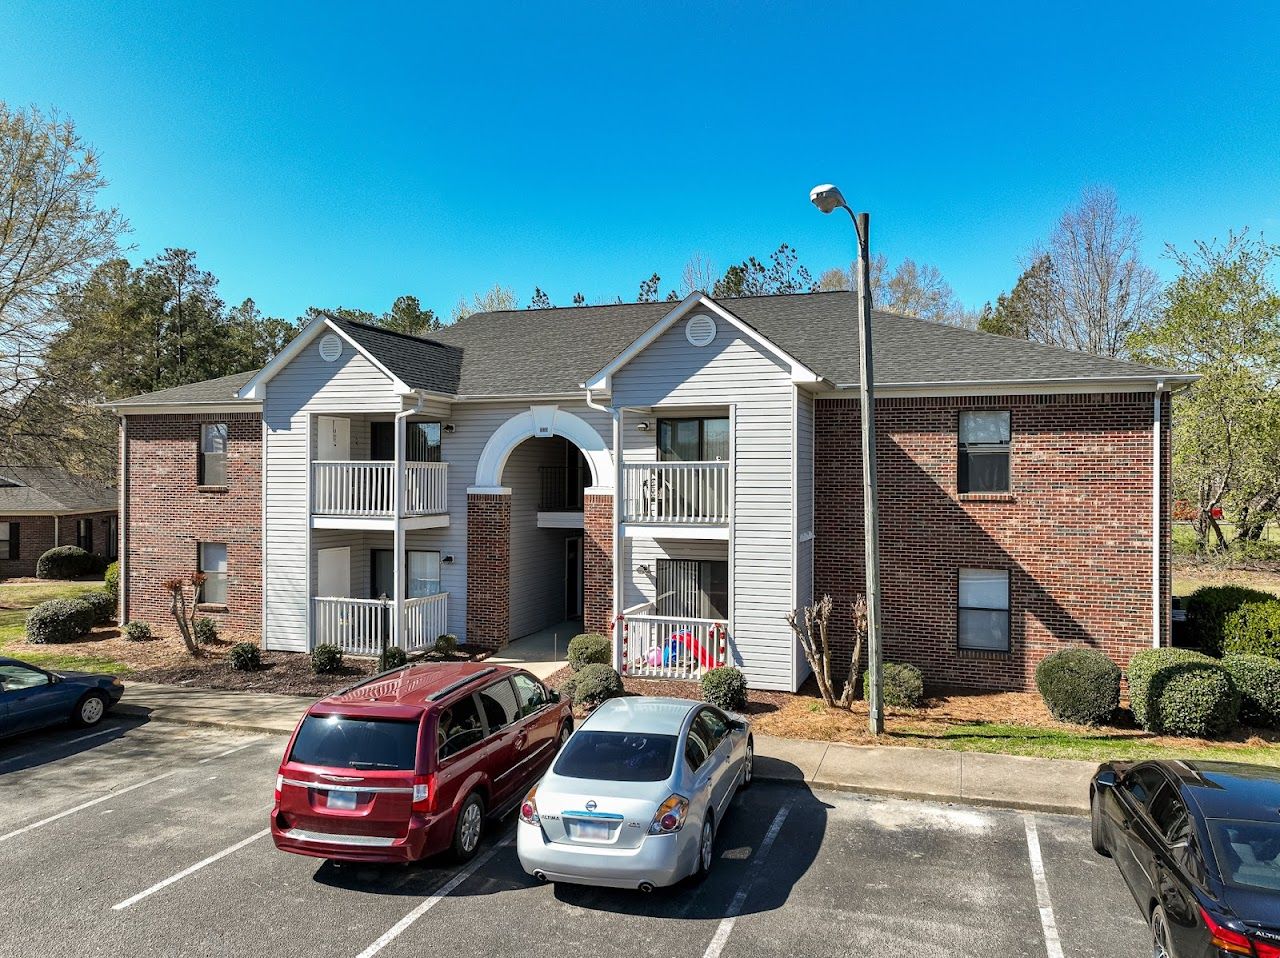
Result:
pixel 693 588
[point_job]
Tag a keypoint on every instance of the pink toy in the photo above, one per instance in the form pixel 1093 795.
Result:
pixel 655 657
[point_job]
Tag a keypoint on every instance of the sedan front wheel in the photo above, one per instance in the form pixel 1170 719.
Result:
pixel 90 710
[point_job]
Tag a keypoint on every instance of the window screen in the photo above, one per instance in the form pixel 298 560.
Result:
pixel 984 452
pixel 984 609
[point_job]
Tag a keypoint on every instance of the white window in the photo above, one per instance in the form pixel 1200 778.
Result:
pixel 984 609
pixel 213 563
pixel 423 574
pixel 213 454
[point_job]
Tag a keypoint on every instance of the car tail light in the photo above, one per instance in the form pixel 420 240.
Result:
pixel 1224 939
pixel 670 816
pixel 1266 951
pixel 424 793
pixel 279 785
pixel 529 808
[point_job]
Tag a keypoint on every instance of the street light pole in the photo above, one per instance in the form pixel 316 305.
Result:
pixel 828 198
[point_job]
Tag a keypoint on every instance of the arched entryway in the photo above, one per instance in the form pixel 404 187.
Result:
pixel 540 530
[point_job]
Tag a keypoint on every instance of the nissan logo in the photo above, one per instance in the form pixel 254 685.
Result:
pixel 591 806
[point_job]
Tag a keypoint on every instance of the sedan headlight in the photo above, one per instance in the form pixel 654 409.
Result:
pixel 670 816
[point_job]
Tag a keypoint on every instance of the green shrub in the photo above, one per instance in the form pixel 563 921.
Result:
pixel 66 562
pixel 1253 629
pixel 901 685
pixel 59 620
pixel 1081 686
pixel 138 632
pixel 326 659
pixel 725 688
pixel 1257 677
pixel 446 643
pixel 1207 610
pixel 1181 692
pixel 569 687
pixel 589 649
pixel 103 604
pixel 594 683
pixel 205 629
pixel 111 580
pixel 245 657
pixel 392 657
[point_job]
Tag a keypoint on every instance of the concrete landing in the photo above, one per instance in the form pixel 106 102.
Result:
pixel 542 653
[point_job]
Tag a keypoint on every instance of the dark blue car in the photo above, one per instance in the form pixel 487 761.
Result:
pixel 31 698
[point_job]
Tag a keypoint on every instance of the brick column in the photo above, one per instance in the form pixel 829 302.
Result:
pixel 488 570
pixel 597 562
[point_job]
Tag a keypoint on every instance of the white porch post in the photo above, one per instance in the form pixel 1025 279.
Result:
pixel 617 535
pixel 398 537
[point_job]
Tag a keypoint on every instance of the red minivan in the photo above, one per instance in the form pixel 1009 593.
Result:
pixel 412 762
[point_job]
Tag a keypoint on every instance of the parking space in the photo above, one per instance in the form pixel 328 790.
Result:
pixel 149 840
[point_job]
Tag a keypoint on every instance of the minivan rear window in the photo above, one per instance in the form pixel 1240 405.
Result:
pixel 337 741
pixel 617 756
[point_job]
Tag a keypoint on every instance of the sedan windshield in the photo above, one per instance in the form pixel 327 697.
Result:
pixel 617 757
pixel 1248 852
pixel 336 741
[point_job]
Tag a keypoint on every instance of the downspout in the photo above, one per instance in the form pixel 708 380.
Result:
pixel 1156 461
pixel 615 539
pixel 122 577
pixel 398 533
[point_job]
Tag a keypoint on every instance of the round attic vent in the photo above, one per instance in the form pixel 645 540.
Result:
pixel 700 330
pixel 330 348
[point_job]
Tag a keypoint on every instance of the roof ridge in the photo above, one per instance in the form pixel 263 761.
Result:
pixel 391 332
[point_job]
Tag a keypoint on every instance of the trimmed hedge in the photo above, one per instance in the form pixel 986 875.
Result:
pixel 901 685
pixel 205 629
pixel 59 620
pixel 1182 692
pixel 725 687
pixel 392 657
pixel 589 649
pixel 326 659
pixel 1253 629
pixel 1257 677
pixel 1207 610
pixel 138 632
pixel 245 657
pixel 446 643
pixel 103 604
pixel 111 580
pixel 67 562
pixel 594 683
pixel 1080 685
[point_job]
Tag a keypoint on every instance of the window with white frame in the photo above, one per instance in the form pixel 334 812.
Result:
pixel 212 559
pixel 213 454
pixel 422 574
pixel 983 613
pixel 984 451
pixel 9 540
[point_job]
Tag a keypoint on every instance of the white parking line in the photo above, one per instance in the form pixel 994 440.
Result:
pixel 55 745
pixel 1052 943
pixel 443 892
pixel 725 928
pixel 83 806
pixel 230 751
pixel 120 906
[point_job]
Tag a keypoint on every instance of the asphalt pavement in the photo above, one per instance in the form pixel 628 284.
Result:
pixel 149 839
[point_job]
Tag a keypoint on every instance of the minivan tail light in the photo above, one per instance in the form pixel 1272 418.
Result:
pixel 529 808
pixel 1232 942
pixel 279 785
pixel 424 792
pixel 670 816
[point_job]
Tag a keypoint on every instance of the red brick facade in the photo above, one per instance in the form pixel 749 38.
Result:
pixel 35 538
pixel 488 570
pixel 597 563
pixel 1074 534
pixel 167 514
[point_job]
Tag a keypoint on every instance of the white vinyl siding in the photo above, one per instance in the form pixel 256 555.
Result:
pixel 734 372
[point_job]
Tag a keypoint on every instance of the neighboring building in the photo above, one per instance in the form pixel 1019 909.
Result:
pixel 473 478
pixel 46 506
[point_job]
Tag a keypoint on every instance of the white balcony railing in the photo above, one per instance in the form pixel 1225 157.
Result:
pixel 367 489
pixel 655 646
pixel 358 626
pixel 694 493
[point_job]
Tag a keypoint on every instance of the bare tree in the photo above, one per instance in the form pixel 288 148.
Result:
pixel 1097 289
pixel 919 290
pixel 497 299
pixel 811 626
pixel 184 611
pixel 698 274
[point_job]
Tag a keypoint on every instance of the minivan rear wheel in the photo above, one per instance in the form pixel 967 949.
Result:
pixel 468 830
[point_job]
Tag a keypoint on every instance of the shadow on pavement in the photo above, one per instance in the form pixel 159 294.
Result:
pixel 58 742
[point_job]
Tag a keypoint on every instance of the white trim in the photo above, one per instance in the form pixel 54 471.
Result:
pixel 1156 590
pixel 731 533
pixel 262 530
pixel 308 579
pixel 598 491
pixel 122 530
pixel 174 408
pixel 795 525
pixel 253 388
pixel 369 523
pixel 1010 387
pixel 488 490
pixel 662 530
pixel 541 422
pixel 800 373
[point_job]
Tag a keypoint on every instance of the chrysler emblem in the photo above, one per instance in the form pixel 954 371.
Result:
pixel 591 806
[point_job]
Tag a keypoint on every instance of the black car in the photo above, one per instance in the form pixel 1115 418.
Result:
pixel 1198 844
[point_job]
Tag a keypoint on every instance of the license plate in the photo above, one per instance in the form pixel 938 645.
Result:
pixel 591 831
pixel 342 800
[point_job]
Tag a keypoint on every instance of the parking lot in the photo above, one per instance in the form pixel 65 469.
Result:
pixel 149 839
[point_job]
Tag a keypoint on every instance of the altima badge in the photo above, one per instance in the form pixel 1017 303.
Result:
pixel 591 806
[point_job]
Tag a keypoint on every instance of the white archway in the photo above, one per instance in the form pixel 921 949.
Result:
pixel 541 422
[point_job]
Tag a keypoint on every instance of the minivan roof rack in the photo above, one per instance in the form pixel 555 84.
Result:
pixel 454 686
pixel 373 678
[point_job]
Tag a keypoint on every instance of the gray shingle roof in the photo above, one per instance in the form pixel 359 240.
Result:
pixel 222 389
pixel 419 363
pixel 51 489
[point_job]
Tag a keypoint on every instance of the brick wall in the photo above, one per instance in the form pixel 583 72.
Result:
pixel 35 538
pixel 1074 534
pixel 168 514
pixel 488 570
pixel 597 563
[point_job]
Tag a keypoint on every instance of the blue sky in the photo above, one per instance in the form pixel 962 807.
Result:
pixel 330 154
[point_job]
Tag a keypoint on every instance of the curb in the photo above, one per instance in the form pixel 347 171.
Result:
pixel 139 711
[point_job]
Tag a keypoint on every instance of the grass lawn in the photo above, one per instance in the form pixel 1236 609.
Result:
pixel 16 598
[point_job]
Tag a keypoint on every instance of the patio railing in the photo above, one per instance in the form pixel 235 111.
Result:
pixel 358 626
pixel 676 492
pixel 670 647
pixel 367 488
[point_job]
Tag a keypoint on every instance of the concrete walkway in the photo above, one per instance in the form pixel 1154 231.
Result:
pixel 972 778
pixel 542 653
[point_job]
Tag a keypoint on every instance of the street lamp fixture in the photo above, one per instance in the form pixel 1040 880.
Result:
pixel 828 199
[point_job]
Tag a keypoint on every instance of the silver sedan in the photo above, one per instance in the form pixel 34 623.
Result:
pixel 636 794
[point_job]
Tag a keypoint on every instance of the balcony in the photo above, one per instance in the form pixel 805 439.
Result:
pixel 676 495
pixel 668 647
pixel 358 626
pixel 350 492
